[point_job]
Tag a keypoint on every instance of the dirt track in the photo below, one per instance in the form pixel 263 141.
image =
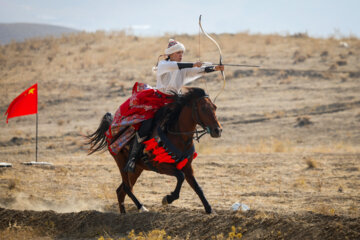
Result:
pixel 180 222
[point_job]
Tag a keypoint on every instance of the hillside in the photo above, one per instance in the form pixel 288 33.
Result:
pixel 21 31
pixel 290 147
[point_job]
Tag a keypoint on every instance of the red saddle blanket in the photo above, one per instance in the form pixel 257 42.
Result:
pixel 142 105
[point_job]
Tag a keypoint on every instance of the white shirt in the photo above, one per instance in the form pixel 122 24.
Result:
pixel 170 78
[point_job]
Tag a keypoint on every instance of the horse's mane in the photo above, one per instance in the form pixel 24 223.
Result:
pixel 169 114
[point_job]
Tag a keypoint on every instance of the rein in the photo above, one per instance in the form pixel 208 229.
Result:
pixel 195 117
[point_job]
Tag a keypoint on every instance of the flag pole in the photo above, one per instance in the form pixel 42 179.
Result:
pixel 37 123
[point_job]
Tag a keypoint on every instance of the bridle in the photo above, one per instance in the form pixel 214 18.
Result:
pixel 196 118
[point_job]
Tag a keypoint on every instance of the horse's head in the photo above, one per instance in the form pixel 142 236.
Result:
pixel 204 114
pixel 192 108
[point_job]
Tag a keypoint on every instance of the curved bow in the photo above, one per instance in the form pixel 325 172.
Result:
pixel 220 61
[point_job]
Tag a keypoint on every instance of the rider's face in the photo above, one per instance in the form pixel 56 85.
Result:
pixel 176 56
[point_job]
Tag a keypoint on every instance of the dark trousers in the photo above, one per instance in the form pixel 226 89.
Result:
pixel 145 128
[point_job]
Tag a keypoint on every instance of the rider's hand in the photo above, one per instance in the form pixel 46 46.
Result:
pixel 197 64
pixel 219 68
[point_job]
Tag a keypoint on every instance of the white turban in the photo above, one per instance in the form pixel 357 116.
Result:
pixel 174 46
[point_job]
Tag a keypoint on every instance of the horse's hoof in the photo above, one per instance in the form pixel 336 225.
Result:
pixel 143 209
pixel 208 210
pixel 164 201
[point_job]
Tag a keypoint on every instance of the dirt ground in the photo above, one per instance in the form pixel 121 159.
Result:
pixel 290 147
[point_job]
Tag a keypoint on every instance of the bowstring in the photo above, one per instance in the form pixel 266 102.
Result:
pixel 199 54
pixel 220 61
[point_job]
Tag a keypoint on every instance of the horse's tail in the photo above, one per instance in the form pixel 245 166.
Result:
pixel 97 140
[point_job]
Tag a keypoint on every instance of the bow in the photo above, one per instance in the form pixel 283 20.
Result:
pixel 220 61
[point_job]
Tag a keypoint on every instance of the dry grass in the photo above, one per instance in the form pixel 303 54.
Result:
pixel 311 163
pixel 274 145
pixel 263 158
pixel 156 234
pixel 15 232
pixel 12 183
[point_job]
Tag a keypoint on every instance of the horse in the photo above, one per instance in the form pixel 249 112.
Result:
pixel 177 123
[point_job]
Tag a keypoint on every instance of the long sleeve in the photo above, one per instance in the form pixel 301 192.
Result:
pixel 171 78
pixel 166 66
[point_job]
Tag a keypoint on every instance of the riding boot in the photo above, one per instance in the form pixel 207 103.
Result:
pixel 136 148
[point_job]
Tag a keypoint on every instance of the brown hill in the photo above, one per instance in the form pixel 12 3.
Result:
pixel 21 31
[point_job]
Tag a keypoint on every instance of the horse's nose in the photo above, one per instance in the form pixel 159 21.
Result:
pixel 216 132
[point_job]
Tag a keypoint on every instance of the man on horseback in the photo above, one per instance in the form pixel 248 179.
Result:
pixel 171 156
pixel 171 76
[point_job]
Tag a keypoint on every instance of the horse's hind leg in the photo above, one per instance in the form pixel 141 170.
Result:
pixel 121 197
pixel 124 189
pixel 129 180
pixel 120 192
pixel 168 199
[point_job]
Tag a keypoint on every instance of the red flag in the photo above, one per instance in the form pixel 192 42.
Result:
pixel 25 104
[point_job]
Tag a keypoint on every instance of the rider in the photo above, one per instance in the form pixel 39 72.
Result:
pixel 171 75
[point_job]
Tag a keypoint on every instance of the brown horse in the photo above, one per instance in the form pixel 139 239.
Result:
pixel 174 130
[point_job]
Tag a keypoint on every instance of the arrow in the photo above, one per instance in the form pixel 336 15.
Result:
pixel 234 65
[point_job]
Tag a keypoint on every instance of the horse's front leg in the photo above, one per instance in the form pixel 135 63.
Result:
pixel 168 199
pixel 190 178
